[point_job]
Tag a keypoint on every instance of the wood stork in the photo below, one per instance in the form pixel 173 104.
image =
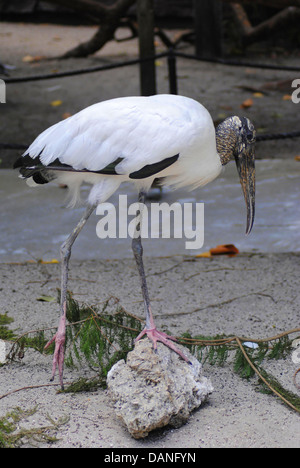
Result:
pixel 137 139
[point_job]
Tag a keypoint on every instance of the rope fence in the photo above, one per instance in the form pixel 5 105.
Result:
pixel 82 71
pixel 259 138
pixel 171 55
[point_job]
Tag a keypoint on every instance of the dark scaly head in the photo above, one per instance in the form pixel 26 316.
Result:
pixel 236 140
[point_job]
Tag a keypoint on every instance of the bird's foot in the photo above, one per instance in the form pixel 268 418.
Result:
pixel 154 335
pixel 59 352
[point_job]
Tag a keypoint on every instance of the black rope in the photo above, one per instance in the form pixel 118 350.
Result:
pixel 235 63
pixel 277 136
pixel 259 138
pixel 169 54
pixel 111 66
pixel 12 146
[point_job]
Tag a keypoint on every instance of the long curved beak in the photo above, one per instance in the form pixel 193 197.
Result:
pixel 245 163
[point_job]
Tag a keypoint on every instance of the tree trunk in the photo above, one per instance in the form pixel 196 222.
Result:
pixel 252 34
pixel 270 3
pixel 108 18
pixel 104 34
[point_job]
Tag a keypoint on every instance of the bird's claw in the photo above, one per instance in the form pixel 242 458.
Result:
pixel 154 335
pixel 59 352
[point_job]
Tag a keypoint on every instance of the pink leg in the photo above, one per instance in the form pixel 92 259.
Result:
pixel 150 330
pixel 59 352
pixel 59 337
pixel 154 335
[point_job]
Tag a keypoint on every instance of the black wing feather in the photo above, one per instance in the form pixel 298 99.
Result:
pixel 41 174
pixel 152 169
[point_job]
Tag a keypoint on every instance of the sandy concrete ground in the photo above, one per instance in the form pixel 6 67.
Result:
pixel 257 296
pixel 251 294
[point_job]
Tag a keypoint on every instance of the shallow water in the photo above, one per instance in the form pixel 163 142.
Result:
pixel 34 222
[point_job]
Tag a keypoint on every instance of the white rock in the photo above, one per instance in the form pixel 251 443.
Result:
pixel 3 352
pixel 152 390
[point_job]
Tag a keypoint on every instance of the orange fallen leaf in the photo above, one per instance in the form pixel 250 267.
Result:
pixel 30 58
pixel 56 103
pixel 246 104
pixel 287 97
pixel 258 95
pixel 228 249
pixel 66 115
pixel 297 158
pixel 49 262
pixel 38 58
pixel 204 255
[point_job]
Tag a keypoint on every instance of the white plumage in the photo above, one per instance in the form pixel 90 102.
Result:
pixel 140 130
pixel 137 139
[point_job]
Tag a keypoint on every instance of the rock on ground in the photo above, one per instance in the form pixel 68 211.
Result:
pixel 152 390
pixel 2 352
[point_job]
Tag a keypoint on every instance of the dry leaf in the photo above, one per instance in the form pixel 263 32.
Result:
pixel 204 255
pixel 228 249
pixel 246 104
pixel 49 262
pixel 258 95
pixel 28 58
pixel 46 299
pixel 287 97
pixel 56 103
pixel 66 115
pixel 297 158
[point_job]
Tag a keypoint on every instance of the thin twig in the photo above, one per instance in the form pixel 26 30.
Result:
pixel 242 339
pixel 30 388
pixel 262 378
pixel 94 318
pixel 295 379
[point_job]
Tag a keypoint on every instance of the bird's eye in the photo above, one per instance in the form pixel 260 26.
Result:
pixel 250 136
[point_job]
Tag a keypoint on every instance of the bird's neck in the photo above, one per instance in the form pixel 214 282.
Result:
pixel 226 141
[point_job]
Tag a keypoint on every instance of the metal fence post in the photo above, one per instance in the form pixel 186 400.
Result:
pixel 172 66
pixel 145 13
pixel 208 27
